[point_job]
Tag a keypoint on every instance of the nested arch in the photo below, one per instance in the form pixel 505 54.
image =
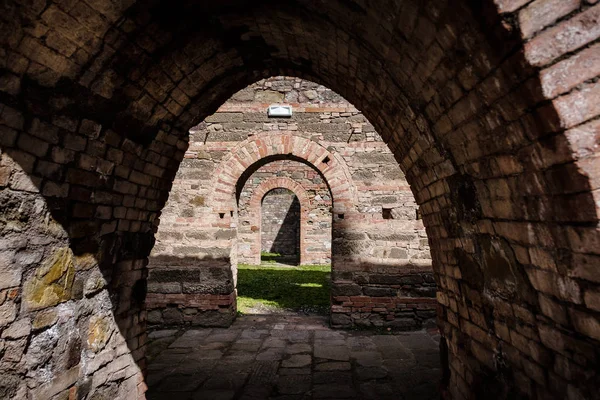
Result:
pixel 274 183
pixel 248 155
pixel 255 217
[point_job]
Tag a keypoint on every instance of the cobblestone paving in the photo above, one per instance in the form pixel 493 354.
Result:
pixel 290 357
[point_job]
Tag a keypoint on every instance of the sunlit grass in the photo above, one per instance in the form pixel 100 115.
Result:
pixel 267 257
pixel 274 288
pixel 269 254
pixel 309 284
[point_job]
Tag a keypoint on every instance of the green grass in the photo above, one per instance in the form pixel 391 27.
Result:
pixel 268 254
pixel 268 288
pixel 276 258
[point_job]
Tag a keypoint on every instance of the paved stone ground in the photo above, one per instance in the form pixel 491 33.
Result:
pixel 291 357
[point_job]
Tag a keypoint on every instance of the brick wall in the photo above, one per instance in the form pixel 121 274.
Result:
pixel 490 109
pixel 360 213
pixel 315 211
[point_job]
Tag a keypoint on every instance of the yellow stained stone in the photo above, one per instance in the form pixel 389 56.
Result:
pixel 99 333
pixel 52 282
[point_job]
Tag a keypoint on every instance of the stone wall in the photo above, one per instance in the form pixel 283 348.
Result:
pixel 315 219
pixel 75 234
pixel 280 223
pixel 359 205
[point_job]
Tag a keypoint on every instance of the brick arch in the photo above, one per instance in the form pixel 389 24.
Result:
pixel 255 204
pixel 489 109
pixel 264 146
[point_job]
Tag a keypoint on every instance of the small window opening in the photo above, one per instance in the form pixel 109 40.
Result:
pixel 419 214
pixel 387 213
pixel 231 213
pixel 221 215
pixel 326 160
pixel 341 216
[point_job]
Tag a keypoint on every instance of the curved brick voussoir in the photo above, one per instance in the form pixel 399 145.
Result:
pixel 287 145
pixel 489 108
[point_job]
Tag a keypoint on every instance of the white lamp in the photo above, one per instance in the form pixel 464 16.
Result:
pixel 279 111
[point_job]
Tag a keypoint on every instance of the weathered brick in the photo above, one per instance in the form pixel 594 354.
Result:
pixel 12 118
pixel 541 13
pixel 32 145
pixel 585 323
pixel 567 74
pixel 579 106
pixel 564 38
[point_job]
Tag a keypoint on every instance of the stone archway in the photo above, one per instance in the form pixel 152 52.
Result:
pixel 258 149
pixel 255 212
pixel 500 155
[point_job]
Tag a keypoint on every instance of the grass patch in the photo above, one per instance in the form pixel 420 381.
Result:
pixel 277 258
pixel 301 289
pixel 269 254
pixel 270 258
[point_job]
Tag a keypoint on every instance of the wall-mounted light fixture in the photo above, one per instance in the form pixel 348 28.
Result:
pixel 279 111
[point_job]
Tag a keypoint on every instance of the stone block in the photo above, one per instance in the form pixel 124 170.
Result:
pixel 100 330
pixel 51 283
pixel 586 323
pixel 378 291
pixel 172 316
pixel 383 279
pixel 10 274
pixel 32 145
pixel 269 96
pixel 4 175
pixel 164 287
pixel 398 253
pixel 338 289
pixel 8 313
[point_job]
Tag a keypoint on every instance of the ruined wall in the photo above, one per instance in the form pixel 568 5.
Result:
pixel 380 254
pixel 315 218
pixel 75 232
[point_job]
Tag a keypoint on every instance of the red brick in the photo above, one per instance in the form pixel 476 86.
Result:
pixel 566 37
pixel 541 13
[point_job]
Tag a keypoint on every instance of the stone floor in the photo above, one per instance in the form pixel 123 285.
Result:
pixel 291 357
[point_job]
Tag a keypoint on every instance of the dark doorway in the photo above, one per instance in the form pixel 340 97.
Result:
pixel 280 227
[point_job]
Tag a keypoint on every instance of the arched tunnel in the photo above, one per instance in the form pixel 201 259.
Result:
pixel 490 109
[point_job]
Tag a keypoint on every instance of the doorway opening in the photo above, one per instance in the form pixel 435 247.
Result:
pixel 284 241
pixel 280 228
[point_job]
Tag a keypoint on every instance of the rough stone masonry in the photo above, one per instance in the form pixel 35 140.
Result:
pixel 280 223
pixel 381 267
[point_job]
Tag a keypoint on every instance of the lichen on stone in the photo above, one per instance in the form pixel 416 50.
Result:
pixel 52 282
